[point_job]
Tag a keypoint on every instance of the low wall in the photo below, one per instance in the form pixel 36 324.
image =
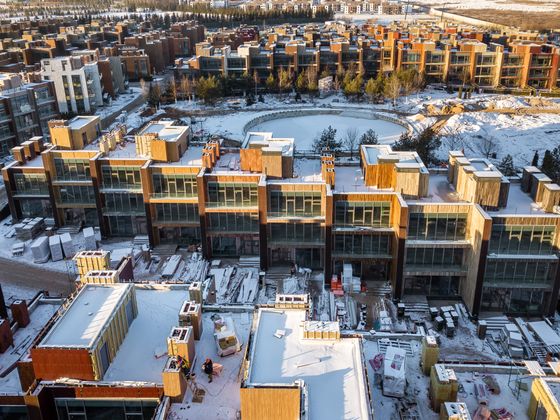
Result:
pixel 354 113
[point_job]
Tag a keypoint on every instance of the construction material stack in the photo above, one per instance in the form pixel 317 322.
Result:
pixel 394 372
pixel 443 386
pixel 430 353
pixel 87 261
pixel 195 292
pixel 90 243
pixel 40 250
pixel 29 228
pixel 454 411
pixel 55 248
pixel 67 245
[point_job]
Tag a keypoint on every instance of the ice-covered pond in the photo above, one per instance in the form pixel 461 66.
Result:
pixel 304 129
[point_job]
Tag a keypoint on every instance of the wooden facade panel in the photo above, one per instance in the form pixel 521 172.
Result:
pixel 54 363
pixel 270 403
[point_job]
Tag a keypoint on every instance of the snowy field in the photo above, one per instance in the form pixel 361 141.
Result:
pixel 517 135
pixel 520 5
pixel 305 129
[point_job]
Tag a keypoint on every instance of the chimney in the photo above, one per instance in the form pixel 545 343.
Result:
pixel 28 150
pixel 174 381
pixel 190 315
pixel 18 154
pixel 3 310
pixel 327 168
pixel 20 313
pixel 181 343
pixel 6 336
pixel 38 142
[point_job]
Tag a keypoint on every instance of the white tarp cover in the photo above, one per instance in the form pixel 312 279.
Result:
pixel 546 334
pixel 394 372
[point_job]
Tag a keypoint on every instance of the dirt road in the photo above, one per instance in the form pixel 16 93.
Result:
pixel 17 274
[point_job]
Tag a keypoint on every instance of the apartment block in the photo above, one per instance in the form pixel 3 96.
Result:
pixel 452 55
pixel 77 84
pixel 25 109
pixel 464 232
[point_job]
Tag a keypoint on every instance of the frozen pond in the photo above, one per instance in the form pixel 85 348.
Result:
pixel 304 129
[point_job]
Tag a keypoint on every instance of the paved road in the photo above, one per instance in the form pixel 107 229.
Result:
pixel 12 272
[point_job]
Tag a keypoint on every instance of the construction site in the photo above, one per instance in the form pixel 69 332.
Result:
pixel 125 335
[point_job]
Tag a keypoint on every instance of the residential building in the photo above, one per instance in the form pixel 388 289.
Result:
pixel 462 233
pixel 25 109
pixel 77 84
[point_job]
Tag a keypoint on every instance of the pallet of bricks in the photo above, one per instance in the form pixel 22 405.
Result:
pixel 29 228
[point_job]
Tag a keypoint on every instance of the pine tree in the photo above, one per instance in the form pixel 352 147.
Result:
pixel 369 137
pixel 506 166
pixel 547 165
pixel 535 161
pixel 326 140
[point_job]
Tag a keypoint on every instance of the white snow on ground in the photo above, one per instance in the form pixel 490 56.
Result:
pixel 517 135
pixel 139 357
pixel 118 104
pixel 12 292
pixel 221 400
pixel 23 339
pixel 528 6
pixel 305 129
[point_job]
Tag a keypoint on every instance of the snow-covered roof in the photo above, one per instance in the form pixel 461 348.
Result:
pixel 165 130
pixel 158 312
pixel 332 370
pixel 86 317
pixel 81 121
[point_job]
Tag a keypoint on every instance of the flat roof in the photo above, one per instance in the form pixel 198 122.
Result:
pixel 81 121
pixel 165 130
pixel 520 203
pixel 158 311
pixel 86 317
pixel 331 369
pixel 265 139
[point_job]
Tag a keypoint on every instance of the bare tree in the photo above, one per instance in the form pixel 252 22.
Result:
pixel 454 138
pixel 393 88
pixel 186 88
pixel 144 88
pixel 488 146
pixel 351 140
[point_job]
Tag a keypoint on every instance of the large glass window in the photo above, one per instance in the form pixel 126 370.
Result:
pixel 505 273
pixel 177 212
pixel 124 203
pixel 296 233
pixel 351 245
pixel 519 239
pixel 121 177
pixel 72 169
pixel 100 409
pixel 35 208
pixel 437 226
pixel 75 194
pixel 31 184
pixel 371 214
pixel 232 194
pixel 295 203
pixel 174 185
pixel 233 222
pixel 434 257
pixel 525 301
